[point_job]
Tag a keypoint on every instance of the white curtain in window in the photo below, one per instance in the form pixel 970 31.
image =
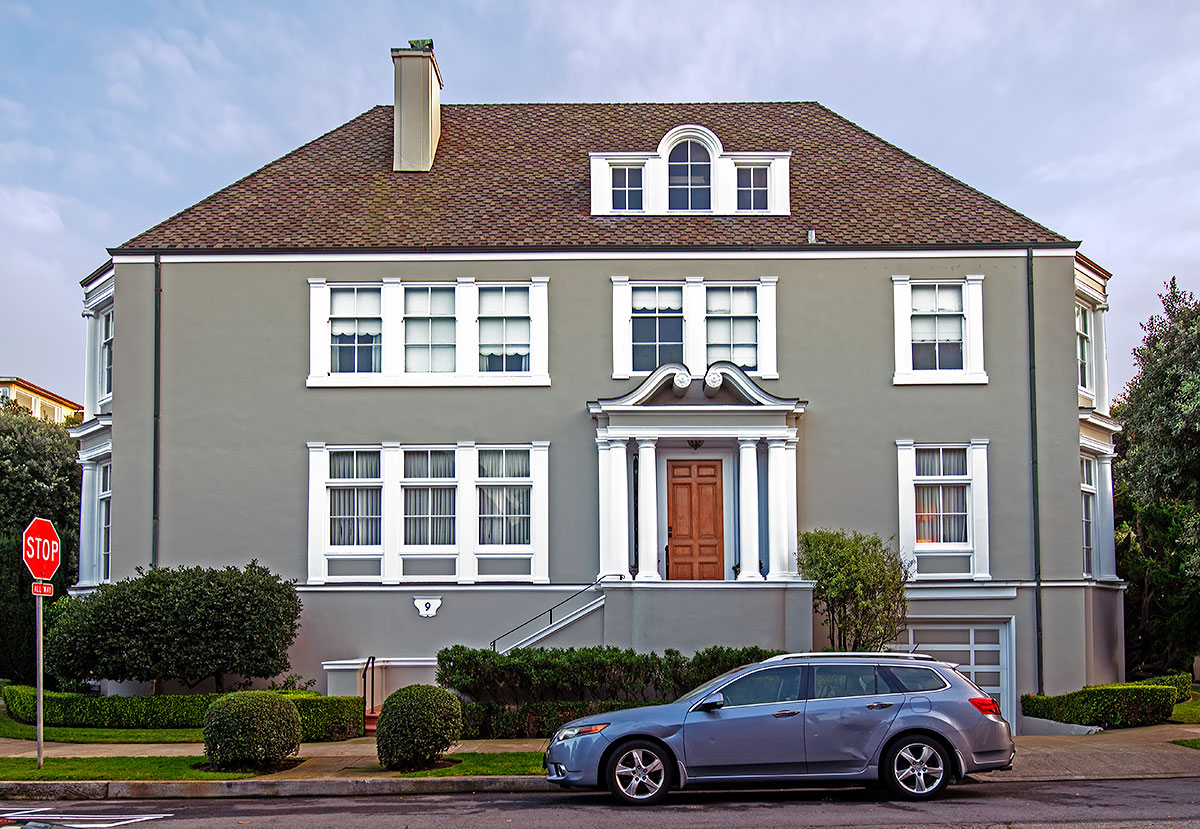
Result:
pixel 954 518
pixel 954 461
pixel 928 502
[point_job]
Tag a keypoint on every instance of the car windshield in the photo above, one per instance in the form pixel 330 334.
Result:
pixel 704 688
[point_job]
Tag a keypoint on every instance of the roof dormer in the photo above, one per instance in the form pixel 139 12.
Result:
pixel 690 173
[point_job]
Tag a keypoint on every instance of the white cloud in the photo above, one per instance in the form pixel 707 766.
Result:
pixel 14 114
pixel 22 152
pixel 29 211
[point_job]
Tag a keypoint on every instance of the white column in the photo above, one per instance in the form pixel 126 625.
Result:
pixel 618 503
pixel 89 536
pixel 466 500
pixel 748 508
pixel 768 345
pixel 902 325
pixel 318 329
pixel 973 320
pixel 622 333
pixel 318 511
pixel 603 503
pixel 695 334
pixel 1103 529
pixel 539 320
pixel 647 511
pixel 91 370
pixel 979 508
pixel 391 470
pixel 793 524
pixel 466 329
pixel 1100 357
pixel 777 512
pixel 391 309
pixel 539 460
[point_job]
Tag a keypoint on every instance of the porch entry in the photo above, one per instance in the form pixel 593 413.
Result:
pixel 695 520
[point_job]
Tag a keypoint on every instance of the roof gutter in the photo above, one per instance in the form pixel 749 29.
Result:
pixel 1036 495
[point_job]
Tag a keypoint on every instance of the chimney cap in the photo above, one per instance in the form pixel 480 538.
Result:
pixel 424 44
pixel 423 49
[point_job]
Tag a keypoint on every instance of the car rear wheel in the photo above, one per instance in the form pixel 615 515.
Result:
pixel 638 773
pixel 917 768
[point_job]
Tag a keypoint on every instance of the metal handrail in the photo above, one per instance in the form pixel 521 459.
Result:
pixel 551 610
pixel 369 666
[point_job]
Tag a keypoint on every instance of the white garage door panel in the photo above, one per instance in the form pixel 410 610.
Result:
pixel 981 652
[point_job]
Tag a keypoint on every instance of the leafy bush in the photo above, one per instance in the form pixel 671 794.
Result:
pixel 90 711
pixel 416 725
pixel 594 673
pixel 1108 706
pixel 251 728
pixel 322 719
pixel 1182 683
pixel 491 720
pixel 239 621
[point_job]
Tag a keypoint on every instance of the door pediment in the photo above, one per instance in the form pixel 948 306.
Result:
pixel 671 388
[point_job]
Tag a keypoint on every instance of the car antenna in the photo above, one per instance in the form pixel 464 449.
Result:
pixel 914 648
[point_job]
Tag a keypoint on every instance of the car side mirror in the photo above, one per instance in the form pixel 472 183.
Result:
pixel 711 702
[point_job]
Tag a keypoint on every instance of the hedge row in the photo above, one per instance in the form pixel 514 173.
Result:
pixel 496 721
pixel 594 673
pixel 1108 706
pixel 1181 682
pixel 321 718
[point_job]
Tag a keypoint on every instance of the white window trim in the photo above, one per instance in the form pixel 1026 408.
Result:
pixel 99 302
pixel 695 337
pixel 466 307
pixel 977 507
pixel 90 529
pixel 723 182
pixel 1087 390
pixel 466 552
pixel 972 370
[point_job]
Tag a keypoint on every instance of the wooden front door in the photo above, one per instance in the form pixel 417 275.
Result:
pixel 695 520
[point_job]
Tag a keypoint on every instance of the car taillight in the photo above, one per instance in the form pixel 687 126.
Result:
pixel 986 705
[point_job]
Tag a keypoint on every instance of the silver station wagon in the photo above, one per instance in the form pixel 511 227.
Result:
pixel 906 720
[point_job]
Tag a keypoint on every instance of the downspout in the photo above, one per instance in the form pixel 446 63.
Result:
pixel 1033 448
pixel 155 452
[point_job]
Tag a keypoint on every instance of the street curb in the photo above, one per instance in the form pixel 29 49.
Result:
pixel 163 789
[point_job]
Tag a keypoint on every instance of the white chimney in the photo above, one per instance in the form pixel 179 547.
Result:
pixel 418 112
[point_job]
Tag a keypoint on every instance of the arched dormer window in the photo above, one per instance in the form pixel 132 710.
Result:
pixel 689 177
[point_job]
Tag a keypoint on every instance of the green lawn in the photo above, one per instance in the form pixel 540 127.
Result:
pixel 14 730
pixel 110 768
pixel 484 765
pixel 1188 743
pixel 1187 712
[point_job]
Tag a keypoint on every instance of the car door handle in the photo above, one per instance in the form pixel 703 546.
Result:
pixel 875 705
pixel 779 714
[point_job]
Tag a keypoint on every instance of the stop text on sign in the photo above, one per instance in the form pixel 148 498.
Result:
pixel 44 549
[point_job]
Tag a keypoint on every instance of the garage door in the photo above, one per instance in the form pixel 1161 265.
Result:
pixel 981 652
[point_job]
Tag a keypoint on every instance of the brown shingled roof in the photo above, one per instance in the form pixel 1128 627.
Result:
pixel 517 175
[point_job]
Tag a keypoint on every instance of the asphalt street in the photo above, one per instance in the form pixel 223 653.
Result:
pixel 1110 803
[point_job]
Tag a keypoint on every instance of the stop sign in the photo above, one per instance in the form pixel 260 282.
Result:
pixel 40 547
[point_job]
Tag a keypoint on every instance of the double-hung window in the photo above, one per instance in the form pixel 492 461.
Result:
pixel 104 502
pixel 429 329
pixel 1087 485
pixel 504 329
pixel 657 326
pixel 107 330
pixel 429 497
pixel 1083 346
pixel 356 330
pixel 505 504
pixel 694 322
pixel 627 188
pixel 938 330
pixel 752 187
pixel 943 509
pixel 731 323
pixel 355 498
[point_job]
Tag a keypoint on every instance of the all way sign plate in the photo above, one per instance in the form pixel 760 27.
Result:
pixel 43 588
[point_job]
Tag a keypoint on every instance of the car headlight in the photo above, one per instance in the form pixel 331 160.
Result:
pixel 576 730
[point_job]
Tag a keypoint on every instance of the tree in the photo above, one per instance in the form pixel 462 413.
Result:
pixel 189 623
pixel 1160 411
pixel 858 584
pixel 39 477
pixel 1162 597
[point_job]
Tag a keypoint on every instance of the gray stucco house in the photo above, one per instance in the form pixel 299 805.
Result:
pixel 447 366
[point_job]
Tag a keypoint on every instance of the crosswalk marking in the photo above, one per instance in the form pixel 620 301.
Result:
pixel 78 821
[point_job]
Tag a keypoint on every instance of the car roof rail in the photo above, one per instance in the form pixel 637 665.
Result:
pixel 854 655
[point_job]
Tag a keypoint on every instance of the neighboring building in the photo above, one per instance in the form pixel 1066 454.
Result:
pixel 40 402
pixel 447 366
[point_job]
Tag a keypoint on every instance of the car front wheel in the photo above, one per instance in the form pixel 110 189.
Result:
pixel 917 768
pixel 637 773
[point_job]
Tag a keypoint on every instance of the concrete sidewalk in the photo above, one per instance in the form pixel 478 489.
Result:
pixel 351 768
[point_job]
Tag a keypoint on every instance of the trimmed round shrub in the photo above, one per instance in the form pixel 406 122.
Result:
pixel 251 728
pixel 416 725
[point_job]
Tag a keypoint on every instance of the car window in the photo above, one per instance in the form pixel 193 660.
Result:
pixel 913 680
pixel 703 688
pixel 833 681
pixel 769 685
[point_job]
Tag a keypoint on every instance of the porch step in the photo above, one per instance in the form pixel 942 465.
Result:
pixel 372 718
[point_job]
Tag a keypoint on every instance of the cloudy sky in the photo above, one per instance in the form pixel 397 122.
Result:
pixel 114 115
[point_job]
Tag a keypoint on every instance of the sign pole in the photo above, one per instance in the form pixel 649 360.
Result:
pixel 38 613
